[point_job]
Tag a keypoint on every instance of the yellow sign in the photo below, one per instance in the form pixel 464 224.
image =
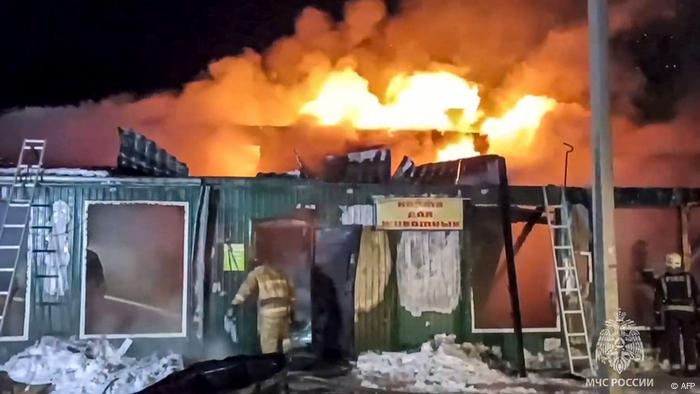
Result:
pixel 234 257
pixel 419 214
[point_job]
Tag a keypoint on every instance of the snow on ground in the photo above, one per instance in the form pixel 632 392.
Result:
pixel 88 367
pixel 442 366
pixel 552 359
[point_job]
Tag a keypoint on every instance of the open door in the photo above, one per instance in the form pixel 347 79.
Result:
pixel 288 245
pixel 332 290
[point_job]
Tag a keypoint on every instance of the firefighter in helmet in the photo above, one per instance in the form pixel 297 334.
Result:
pixel 677 299
pixel 275 305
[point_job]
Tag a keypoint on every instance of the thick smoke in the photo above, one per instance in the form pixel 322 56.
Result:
pixel 217 124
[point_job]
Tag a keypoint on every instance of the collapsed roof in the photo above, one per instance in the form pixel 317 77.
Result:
pixel 373 165
pixel 139 155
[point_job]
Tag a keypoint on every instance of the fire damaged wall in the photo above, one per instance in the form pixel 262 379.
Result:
pixel 379 327
pixel 237 204
pixel 61 316
pixel 536 281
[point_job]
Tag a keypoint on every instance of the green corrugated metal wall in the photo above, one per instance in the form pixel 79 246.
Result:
pixel 65 319
pixel 240 201
pixel 413 331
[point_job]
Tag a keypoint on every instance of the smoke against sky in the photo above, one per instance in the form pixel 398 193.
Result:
pixel 508 48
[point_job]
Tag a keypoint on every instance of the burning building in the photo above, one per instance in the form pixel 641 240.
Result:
pixel 367 278
pixel 319 134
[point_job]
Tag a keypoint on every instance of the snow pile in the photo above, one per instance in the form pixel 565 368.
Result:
pixel 552 359
pixel 88 367
pixel 440 366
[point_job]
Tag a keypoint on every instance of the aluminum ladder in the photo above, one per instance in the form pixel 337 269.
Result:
pixel 571 304
pixel 14 221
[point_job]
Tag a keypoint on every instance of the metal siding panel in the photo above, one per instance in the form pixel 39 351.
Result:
pixel 244 199
pixel 416 330
pixel 76 195
pixel 233 215
pixel 240 201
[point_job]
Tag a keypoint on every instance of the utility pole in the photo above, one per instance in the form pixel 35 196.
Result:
pixel 604 253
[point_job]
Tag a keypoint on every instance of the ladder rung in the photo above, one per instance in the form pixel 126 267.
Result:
pixel 42 227
pixel 9 247
pixel 566 268
pixel 561 247
pixel 18 205
pixel 555 206
pixel 44 251
pixel 569 289
pixel 13 225
pixel 49 303
pixel 573 311
pixel 33 147
pixel 41 205
pixel 579 357
pixel 41 276
pixel 558 226
pixel 24 185
pixel 576 334
pixel 7 269
pixel 4 293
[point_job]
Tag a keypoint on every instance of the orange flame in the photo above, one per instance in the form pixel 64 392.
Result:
pixel 519 124
pixel 420 101
pixel 435 100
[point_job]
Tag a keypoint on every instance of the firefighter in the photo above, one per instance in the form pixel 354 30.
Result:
pixel 676 297
pixel 275 305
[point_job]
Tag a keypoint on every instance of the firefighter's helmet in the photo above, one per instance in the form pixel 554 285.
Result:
pixel 674 261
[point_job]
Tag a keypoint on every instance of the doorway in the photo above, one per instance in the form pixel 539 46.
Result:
pixel 287 244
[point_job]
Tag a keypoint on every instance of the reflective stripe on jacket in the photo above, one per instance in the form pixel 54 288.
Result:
pixel 676 292
pixel 270 284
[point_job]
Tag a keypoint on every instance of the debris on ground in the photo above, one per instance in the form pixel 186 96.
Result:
pixel 552 359
pixel 82 366
pixel 440 366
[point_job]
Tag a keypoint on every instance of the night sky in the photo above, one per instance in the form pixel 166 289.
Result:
pixel 64 52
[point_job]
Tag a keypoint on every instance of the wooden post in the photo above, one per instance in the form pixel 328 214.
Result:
pixel 504 204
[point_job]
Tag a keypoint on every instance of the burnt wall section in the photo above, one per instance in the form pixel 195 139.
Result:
pixel 61 316
pixel 236 203
pixel 243 202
